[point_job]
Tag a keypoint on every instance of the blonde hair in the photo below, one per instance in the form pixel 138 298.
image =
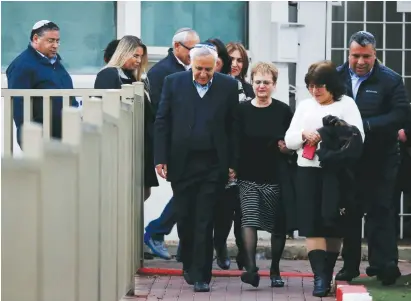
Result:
pixel 265 68
pixel 125 50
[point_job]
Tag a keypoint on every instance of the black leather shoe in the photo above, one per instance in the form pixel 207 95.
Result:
pixel 372 271
pixel 277 281
pixel 389 274
pixel 200 287
pixel 346 275
pixel 251 277
pixel 223 261
pixel 224 264
pixel 187 278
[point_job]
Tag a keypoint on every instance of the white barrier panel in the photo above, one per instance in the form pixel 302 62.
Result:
pixel 70 230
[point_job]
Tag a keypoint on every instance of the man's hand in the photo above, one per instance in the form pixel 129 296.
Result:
pixel 162 170
pixel 401 136
pixel 283 148
pixel 312 138
pixel 231 174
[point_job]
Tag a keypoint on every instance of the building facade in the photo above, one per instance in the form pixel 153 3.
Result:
pixel 291 34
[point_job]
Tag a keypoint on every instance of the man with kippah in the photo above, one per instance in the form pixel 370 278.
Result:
pixel 39 67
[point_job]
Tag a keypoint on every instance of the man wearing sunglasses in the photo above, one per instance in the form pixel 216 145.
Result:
pixel 39 67
pixel 177 60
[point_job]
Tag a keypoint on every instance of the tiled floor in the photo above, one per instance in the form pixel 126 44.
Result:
pixel 167 288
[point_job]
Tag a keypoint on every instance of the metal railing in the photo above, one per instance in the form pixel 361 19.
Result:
pixel 72 209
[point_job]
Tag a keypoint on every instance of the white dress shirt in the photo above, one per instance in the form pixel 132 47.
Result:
pixel 308 116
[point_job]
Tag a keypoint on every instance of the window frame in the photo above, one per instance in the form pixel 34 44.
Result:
pixel 128 22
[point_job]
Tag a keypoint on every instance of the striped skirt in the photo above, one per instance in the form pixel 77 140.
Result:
pixel 261 206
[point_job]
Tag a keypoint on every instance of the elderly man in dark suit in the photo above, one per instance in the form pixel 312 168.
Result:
pixel 177 60
pixel 195 151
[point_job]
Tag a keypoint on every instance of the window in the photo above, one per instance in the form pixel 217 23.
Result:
pixel 224 20
pixel 390 28
pixel 85 30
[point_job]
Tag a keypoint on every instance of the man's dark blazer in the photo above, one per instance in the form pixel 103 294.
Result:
pixel 383 104
pixel 176 117
pixel 157 74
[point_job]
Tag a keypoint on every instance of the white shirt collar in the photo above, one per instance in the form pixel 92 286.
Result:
pixel 181 63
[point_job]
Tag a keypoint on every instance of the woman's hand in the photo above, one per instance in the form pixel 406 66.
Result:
pixel 231 174
pixel 283 148
pixel 312 137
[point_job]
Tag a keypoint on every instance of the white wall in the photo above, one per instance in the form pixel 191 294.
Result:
pixel 312 39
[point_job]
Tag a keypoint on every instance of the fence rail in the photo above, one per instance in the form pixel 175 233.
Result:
pixel 72 217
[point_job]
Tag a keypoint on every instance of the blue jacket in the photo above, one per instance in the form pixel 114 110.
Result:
pixel 30 70
pixel 158 73
pixel 384 107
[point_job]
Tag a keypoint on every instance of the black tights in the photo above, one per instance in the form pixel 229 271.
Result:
pixel 250 246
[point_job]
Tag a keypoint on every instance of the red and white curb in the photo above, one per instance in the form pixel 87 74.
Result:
pixel 349 292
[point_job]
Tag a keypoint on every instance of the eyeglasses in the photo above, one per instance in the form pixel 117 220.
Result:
pixel 186 47
pixel 312 86
pixel 264 82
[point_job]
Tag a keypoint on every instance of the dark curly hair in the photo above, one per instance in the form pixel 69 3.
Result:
pixel 325 73
pixel 222 54
pixel 110 49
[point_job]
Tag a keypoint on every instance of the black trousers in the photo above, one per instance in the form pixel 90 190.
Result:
pixel 195 198
pixel 375 197
pixel 227 210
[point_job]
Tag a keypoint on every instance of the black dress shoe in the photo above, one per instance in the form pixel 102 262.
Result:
pixel 223 261
pixel 389 274
pixel 187 278
pixel 277 281
pixel 346 275
pixel 200 287
pixel 372 271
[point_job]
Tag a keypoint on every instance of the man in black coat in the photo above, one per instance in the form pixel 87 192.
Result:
pixel 195 151
pixel 177 60
pixel 404 175
pixel 381 98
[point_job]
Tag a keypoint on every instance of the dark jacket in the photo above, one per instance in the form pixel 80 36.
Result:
pixel 110 78
pixel 341 147
pixel 404 173
pixel 158 73
pixel 176 118
pixel 248 89
pixel 383 104
pixel 30 70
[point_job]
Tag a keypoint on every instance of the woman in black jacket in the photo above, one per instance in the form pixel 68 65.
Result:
pixel 126 66
pixel 239 67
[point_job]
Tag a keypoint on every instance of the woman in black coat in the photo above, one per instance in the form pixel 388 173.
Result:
pixel 239 67
pixel 126 66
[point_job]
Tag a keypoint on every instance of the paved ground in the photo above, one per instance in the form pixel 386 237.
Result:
pixel 167 288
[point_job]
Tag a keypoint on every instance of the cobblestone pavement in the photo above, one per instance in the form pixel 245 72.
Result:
pixel 167 288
